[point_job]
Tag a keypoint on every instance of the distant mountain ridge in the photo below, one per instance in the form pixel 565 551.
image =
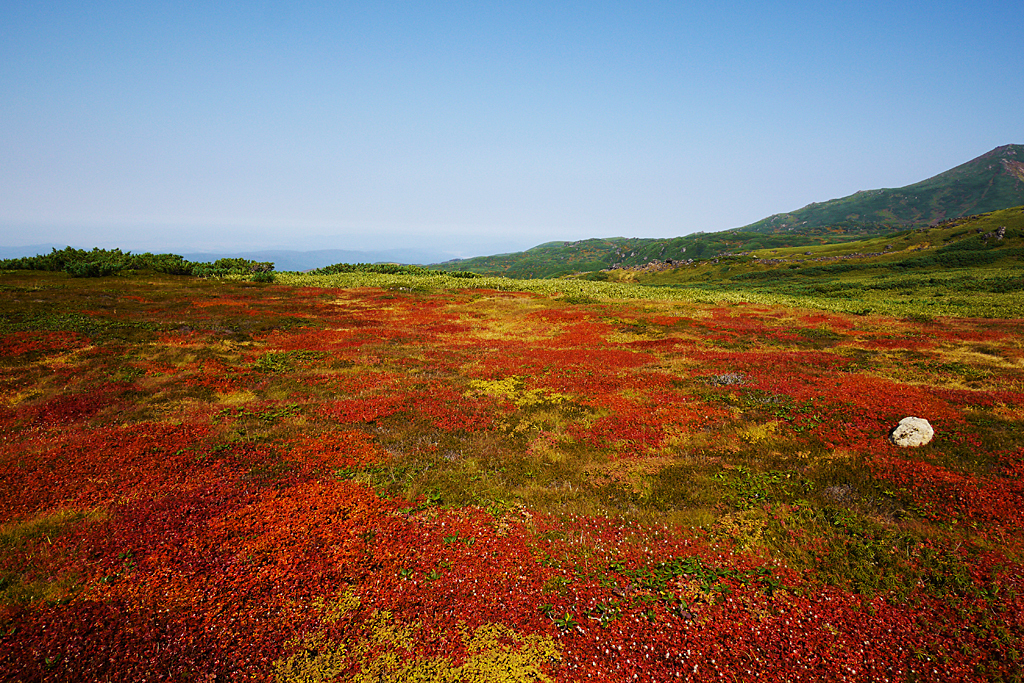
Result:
pixel 990 182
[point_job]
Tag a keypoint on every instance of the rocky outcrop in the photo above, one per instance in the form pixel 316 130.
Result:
pixel 912 432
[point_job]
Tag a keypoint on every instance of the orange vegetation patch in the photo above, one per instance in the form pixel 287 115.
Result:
pixel 17 343
pixel 336 450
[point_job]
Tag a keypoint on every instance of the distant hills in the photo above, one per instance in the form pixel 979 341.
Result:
pixel 308 260
pixel 28 250
pixel 281 258
pixel 991 182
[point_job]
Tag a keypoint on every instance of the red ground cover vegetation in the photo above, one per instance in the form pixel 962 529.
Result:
pixel 313 485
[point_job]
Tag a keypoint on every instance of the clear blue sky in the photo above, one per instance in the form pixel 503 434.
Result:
pixel 479 127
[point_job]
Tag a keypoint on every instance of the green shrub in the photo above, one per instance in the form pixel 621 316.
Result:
pixel 389 269
pixel 103 262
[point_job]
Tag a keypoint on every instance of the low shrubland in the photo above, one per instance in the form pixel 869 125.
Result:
pixel 407 476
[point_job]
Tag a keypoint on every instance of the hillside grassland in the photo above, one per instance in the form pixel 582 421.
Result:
pixel 970 266
pixel 557 259
pixel 960 268
pixel 394 477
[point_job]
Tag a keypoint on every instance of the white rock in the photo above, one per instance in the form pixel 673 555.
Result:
pixel 912 432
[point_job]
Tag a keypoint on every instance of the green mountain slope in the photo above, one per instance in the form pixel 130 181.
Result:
pixel 556 259
pixel 953 263
pixel 991 182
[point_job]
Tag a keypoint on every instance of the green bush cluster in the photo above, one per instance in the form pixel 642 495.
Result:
pixel 386 269
pixel 104 262
pixel 260 271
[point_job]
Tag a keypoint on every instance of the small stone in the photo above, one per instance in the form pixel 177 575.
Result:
pixel 912 432
pixel 727 379
pixel 842 494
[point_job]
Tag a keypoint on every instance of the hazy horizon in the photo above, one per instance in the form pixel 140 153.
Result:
pixel 468 129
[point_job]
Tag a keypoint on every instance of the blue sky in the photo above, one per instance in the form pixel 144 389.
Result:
pixel 478 128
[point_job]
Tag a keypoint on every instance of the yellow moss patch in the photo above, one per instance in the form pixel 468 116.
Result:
pixel 978 360
pixel 72 357
pixel 496 653
pixel 384 653
pixel 514 389
pixel 758 433
pixel 334 609
pixel 746 528
pixel 14 399
pixel 1008 412
pixel 538 410
pixel 317 660
pixel 46 525
pixel 235 398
